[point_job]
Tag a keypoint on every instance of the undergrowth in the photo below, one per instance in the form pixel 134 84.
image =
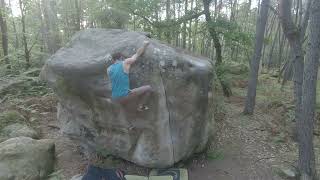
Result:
pixel 10 117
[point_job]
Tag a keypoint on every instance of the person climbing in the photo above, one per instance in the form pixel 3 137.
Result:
pixel 118 73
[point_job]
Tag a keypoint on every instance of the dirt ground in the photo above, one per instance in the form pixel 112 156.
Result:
pixel 243 142
pixel 244 147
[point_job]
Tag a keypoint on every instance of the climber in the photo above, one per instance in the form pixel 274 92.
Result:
pixel 118 73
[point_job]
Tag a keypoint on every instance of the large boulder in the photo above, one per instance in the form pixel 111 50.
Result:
pixel 26 158
pixel 176 124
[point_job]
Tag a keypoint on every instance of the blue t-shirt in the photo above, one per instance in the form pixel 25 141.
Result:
pixel 119 80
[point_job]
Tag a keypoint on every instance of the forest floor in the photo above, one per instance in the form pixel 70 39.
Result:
pixel 244 148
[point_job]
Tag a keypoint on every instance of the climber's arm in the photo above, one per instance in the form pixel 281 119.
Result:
pixel 140 51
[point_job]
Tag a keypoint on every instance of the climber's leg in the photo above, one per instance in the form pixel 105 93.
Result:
pixel 141 94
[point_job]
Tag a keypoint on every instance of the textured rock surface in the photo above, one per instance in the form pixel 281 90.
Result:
pixel 175 126
pixel 17 130
pixel 26 158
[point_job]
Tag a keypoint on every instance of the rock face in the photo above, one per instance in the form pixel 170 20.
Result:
pixel 176 124
pixel 25 158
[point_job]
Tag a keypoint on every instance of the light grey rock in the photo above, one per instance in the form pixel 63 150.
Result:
pixel 289 173
pixel 26 158
pixel 286 171
pixel 77 177
pixel 17 130
pixel 175 126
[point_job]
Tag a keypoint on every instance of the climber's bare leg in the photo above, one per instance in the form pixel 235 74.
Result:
pixel 142 92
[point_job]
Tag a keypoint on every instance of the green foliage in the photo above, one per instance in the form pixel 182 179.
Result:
pixel 143 15
pixel 271 91
pixel 102 151
pixel 215 155
pixel 318 96
pixel 10 117
pixel 238 69
pixel 223 74
pixel 280 138
pixel 25 87
pixel 289 115
pixel 234 35
pixel 267 41
pixel 149 6
pixel 107 16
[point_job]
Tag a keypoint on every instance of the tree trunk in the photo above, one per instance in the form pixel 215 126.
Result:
pixel 233 10
pixel 168 10
pixel 78 18
pixel 134 23
pixel 176 33
pixel 268 34
pixel 159 32
pixel 42 28
pixel 281 47
pixel 295 37
pixel 306 149
pixel 215 9
pixel 254 65
pixel 194 38
pixel 225 87
pixel 220 7
pixel 184 29
pixel 190 30
pixel 16 43
pixel 179 27
pixel 296 2
pixel 52 32
pixel 249 6
pixel 272 48
pixel 4 31
pixel 195 31
pixel 168 14
pixel 24 37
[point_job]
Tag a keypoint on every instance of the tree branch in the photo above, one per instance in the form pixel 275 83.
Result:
pixel 273 9
pixel 35 41
pixel 143 17
pixel 187 17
